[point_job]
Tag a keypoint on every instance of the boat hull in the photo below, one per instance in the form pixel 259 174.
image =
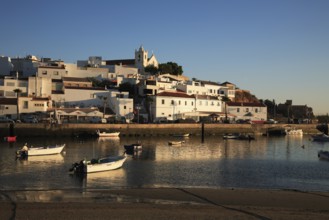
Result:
pixel 108 134
pixel 323 155
pixel 110 163
pixel 39 151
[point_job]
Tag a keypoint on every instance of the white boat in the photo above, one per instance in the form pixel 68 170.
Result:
pixel 99 165
pixel 40 151
pixel 293 131
pixel 175 142
pixel 107 134
pixel 323 154
pixel 182 135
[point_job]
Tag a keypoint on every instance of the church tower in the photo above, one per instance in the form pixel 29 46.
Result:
pixel 141 59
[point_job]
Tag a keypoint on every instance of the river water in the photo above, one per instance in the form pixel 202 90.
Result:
pixel 265 163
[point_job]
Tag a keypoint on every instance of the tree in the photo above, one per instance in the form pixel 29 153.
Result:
pixel 171 68
pixel 127 87
pixel 151 69
pixel 17 91
pixel 226 99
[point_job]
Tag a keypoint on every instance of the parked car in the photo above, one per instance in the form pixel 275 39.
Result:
pixel 30 119
pixel 4 119
pixel 98 120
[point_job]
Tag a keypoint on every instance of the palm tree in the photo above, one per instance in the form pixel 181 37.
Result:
pixel 17 91
pixel 226 99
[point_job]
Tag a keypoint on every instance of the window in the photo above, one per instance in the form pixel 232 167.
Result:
pixel 56 73
pixel 10 84
pixel 44 72
pixel 192 103
pixel 185 102
pixel 179 102
pixel 10 93
pixel 238 110
pixel 200 103
pixel 124 107
pixel 172 102
pixel 162 101
pixel 256 110
pixel 247 109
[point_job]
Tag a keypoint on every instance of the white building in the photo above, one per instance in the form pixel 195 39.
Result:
pixel 170 105
pixel 9 84
pixel 228 89
pixel 247 111
pixel 121 104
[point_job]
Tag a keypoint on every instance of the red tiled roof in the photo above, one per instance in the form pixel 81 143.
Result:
pixel 175 94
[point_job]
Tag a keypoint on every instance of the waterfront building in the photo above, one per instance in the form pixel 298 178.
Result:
pixel 247 111
pixel 174 105
pixel 121 104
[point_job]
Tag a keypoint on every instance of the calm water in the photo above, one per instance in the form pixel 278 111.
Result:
pixel 268 163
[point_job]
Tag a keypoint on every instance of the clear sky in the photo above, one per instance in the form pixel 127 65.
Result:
pixel 277 49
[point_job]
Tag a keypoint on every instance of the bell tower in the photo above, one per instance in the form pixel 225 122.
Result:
pixel 141 59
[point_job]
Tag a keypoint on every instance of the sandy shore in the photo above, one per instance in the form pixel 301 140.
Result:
pixel 164 203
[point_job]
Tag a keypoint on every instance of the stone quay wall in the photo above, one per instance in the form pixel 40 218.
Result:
pixel 44 130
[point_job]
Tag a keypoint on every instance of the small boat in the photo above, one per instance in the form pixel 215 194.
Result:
pixel 238 137
pixel 320 138
pixel 107 134
pixel 294 131
pixel 182 135
pixel 133 147
pixel 231 136
pixel 99 165
pixel 10 139
pixel 40 151
pixel 176 142
pixel 323 154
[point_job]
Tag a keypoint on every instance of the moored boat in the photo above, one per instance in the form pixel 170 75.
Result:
pixel 176 142
pixel 99 165
pixel 40 151
pixel 107 134
pixel 182 135
pixel 320 138
pixel 293 131
pixel 323 154
pixel 133 147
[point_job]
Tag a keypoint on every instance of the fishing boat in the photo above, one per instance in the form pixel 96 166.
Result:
pixel 323 154
pixel 40 151
pixel 99 165
pixel 107 134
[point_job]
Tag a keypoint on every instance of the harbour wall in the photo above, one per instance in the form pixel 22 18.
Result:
pixel 44 130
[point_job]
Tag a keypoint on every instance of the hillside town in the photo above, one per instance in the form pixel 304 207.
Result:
pixel 94 90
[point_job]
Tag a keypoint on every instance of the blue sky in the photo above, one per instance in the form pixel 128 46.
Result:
pixel 276 49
